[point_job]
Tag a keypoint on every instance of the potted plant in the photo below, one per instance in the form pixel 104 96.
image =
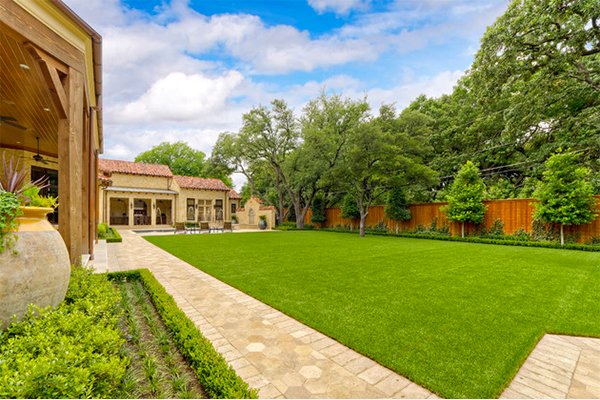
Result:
pixel 234 218
pixel 262 223
pixel 34 262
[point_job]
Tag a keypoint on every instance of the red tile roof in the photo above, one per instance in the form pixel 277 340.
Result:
pixel 133 168
pixel 234 195
pixel 192 182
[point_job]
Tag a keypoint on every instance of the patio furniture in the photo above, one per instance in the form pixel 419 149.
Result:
pixel 227 226
pixel 204 227
pixel 180 228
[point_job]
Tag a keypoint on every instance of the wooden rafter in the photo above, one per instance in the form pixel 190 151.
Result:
pixel 56 74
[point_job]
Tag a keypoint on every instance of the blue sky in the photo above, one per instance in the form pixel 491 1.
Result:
pixel 188 70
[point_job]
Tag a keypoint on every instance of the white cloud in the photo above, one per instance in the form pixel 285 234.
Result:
pixel 176 74
pixel 181 97
pixel 402 95
pixel 341 7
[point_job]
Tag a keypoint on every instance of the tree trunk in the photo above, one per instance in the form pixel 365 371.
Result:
pixel 281 214
pixel 396 228
pixel 562 235
pixel 363 218
pixel 299 218
pixel 462 229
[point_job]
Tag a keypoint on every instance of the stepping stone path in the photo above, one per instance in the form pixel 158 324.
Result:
pixel 274 353
pixel 284 358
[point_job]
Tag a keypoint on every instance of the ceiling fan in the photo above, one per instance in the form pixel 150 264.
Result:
pixel 11 121
pixel 38 157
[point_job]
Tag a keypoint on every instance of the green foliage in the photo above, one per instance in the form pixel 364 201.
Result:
pixel 113 236
pixel 318 210
pixel 565 194
pixel 465 196
pixel 109 233
pixel 218 379
pixel 520 238
pixel 102 229
pixel 396 206
pixel 33 198
pixel 286 226
pixel 73 351
pixel 9 211
pixel 349 207
pixel 178 156
pixel 497 228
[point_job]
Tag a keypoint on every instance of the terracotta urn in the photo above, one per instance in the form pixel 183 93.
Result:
pixel 37 271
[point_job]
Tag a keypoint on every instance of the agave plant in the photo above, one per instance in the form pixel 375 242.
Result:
pixel 13 178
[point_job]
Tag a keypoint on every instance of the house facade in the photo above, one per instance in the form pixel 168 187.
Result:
pixel 148 196
pixel 51 110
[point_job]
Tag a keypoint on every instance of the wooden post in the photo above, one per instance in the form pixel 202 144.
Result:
pixel 85 186
pixel 69 166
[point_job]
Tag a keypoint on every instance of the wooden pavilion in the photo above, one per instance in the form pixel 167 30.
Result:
pixel 51 110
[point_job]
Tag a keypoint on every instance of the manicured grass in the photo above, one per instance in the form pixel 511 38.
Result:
pixel 457 318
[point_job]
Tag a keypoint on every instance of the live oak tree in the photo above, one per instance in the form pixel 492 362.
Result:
pixel 179 156
pixel 271 135
pixel 565 194
pixel 465 197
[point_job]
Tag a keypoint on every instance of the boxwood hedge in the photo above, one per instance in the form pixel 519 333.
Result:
pixel 218 378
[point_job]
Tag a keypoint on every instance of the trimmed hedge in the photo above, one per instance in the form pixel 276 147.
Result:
pixel 72 351
pixel 218 379
pixel 471 239
pixel 113 236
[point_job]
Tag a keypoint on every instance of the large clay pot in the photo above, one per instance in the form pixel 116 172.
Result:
pixel 39 272
pixel 262 224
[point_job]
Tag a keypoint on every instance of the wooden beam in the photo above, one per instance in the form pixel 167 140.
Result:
pixel 19 20
pixel 85 184
pixel 70 134
pixel 51 69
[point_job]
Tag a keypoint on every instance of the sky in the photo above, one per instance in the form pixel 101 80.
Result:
pixel 188 70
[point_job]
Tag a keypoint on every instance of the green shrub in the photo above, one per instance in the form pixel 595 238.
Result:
pixel 594 241
pixel 286 226
pixel 218 379
pixel 102 229
pixel 473 239
pixel 113 236
pixel 73 351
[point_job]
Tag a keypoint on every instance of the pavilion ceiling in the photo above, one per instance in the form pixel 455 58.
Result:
pixel 24 99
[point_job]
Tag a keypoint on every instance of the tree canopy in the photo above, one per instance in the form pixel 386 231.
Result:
pixel 533 88
pixel 178 156
pixel 465 197
pixel 565 194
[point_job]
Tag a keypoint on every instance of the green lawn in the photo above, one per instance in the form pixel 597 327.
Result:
pixel 457 318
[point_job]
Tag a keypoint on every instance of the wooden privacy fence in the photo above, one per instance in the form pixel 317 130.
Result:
pixel 515 214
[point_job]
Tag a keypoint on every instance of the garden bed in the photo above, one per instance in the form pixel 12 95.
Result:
pixel 125 339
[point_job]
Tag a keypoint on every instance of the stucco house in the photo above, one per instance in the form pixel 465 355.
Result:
pixel 51 110
pixel 149 196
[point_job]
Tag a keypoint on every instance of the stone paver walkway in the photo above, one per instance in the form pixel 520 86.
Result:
pixel 559 367
pixel 274 353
